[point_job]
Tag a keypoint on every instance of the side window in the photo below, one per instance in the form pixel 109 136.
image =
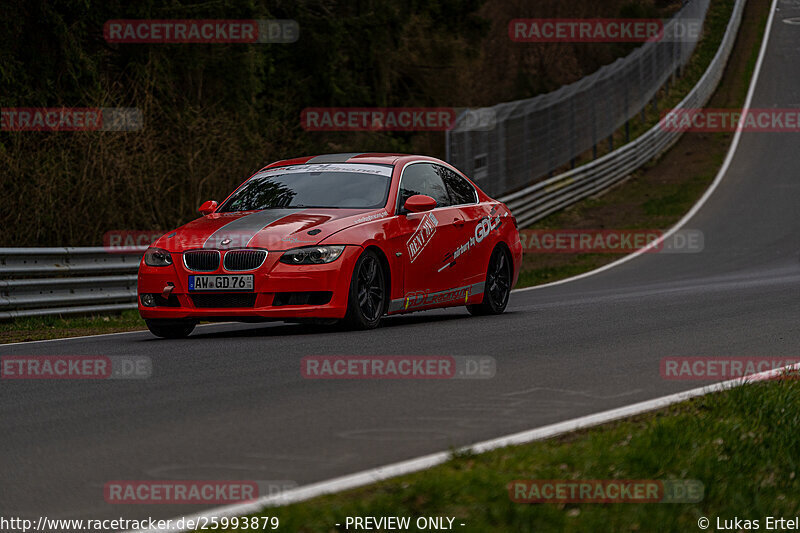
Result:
pixel 461 191
pixel 422 178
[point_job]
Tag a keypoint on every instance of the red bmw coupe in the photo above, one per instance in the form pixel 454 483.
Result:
pixel 340 237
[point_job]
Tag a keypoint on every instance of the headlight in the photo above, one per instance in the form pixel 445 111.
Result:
pixel 156 257
pixel 312 255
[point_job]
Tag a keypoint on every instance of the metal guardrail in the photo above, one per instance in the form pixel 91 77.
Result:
pixel 104 282
pixel 545 197
pixel 107 281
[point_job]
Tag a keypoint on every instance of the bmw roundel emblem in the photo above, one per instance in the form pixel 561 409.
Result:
pixel 226 242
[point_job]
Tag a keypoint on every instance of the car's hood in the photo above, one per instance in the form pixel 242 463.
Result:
pixel 273 229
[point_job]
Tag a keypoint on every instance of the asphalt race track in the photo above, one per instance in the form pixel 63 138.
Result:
pixel 230 401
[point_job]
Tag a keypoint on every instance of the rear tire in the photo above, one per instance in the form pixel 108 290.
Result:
pixel 367 300
pixel 170 329
pixel 498 285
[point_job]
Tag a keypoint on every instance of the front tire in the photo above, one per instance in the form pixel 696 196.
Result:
pixel 498 285
pixel 170 329
pixel 366 302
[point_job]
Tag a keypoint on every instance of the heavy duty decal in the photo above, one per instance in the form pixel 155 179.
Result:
pixel 422 236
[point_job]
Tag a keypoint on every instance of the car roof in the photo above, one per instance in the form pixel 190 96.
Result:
pixel 355 157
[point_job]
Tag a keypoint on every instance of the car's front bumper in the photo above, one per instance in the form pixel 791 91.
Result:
pixel 276 289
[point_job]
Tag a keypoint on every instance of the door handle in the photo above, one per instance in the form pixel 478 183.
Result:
pixel 459 222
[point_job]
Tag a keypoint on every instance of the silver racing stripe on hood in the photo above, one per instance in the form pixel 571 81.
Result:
pixel 238 233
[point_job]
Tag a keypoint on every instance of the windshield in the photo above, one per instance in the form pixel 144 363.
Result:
pixel 340 185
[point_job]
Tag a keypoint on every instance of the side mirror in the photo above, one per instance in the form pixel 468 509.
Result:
pixel 419 203
pixel 208 207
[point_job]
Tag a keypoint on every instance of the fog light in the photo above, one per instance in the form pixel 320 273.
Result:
pixel 148 300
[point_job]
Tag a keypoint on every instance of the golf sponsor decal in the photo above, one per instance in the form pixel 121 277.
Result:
pixel 483 228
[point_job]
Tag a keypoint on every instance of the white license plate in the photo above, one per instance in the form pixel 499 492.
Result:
pixel 221 283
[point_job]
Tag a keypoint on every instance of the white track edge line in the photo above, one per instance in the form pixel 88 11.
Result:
pixel 717 179
pixel 366 477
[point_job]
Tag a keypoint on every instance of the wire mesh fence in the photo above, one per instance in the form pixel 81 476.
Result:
pixel 547 196
pixel 532 138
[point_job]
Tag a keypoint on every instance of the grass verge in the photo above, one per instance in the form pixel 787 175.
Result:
pixel 743 444
pixel 54 327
